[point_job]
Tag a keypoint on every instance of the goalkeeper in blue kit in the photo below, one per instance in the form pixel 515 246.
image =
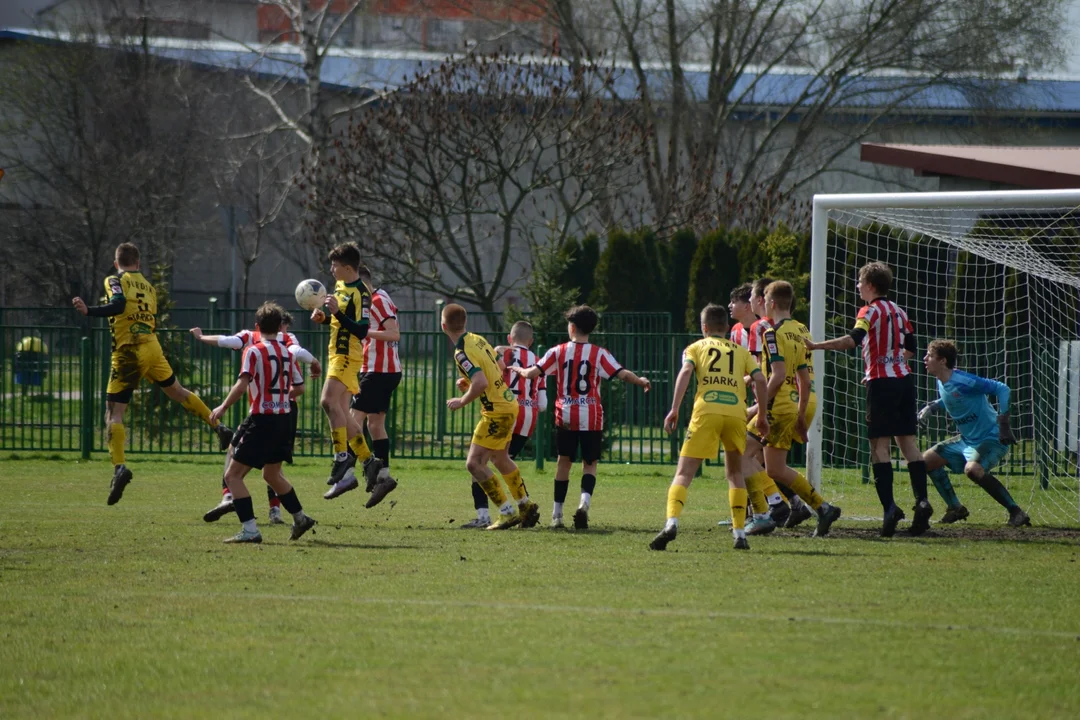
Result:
pixel 984 433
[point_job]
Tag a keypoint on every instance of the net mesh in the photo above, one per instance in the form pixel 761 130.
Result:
pixel 1004 283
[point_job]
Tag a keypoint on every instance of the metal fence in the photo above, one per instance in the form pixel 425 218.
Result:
pixel 53 379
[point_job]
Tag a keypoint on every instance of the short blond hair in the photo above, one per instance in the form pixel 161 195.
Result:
pixel 454 317
pixel 781 293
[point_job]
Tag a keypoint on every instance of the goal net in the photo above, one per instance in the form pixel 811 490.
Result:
pixel 999 273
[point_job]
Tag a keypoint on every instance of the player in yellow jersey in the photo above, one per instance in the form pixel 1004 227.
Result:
pixel 718 418
pixel 348 312
pixel 136 353
pixel 482 379
pixel 791 398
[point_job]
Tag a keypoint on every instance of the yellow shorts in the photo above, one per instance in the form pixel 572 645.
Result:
pixel 494 431
pixel 708 432
pixel 131 363
pixel 782 426
pixel 345 371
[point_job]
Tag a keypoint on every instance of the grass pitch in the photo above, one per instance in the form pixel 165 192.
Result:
pixel 139 610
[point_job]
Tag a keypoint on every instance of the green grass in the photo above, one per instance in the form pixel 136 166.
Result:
pixel 138 610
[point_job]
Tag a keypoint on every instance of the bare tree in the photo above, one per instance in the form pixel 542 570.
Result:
pixel 101 146
pixel 744 94
pixel 448 181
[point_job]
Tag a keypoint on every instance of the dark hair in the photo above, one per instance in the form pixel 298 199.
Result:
pixel 522 330
pixel 454 317
pixel 742 293
pixel 878 275
pixel 286 317
pixel 944 350
pixel 127 254
pixel 364 272
pixel 583 317
pixel 268 318
pixel 347 254
pixel 781 293
pixel 760 284
pixel 714 317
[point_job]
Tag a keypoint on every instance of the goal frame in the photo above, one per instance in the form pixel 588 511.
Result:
pixel 822 204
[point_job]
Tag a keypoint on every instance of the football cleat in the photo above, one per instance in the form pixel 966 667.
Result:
pixel 1018 518
pixel 780 512
pixel 505 522
pixel 349 483
pixel 339 468
pixel 557 522
pixel 827 515
pixel 954 514
pixel 219 511
pixel 302 526
pixel 120 479
pixel 530 514
pixel 760 525
pixel 475 524
pixel 244 537
pixel 891 520
pixel 660 542
pixel 275 516
pixel 741 544
pixel 798 516
pixel 920 523
pixel 581 519
pixel 224 435
pixel 384 487
pixel 373 473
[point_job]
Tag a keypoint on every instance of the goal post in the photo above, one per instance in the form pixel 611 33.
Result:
pixel 998 272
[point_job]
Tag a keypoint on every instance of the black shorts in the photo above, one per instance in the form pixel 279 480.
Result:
pixel 517 442
pixel 891 407
pixel 591 442
pixel 375 391
pixel 264 440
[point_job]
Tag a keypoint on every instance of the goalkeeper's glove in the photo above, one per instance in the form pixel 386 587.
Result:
pixel 928 410
pixel 1005 434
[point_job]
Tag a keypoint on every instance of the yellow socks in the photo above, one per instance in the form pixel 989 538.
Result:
pixel 676 500
pixel 340 440
pixel 802 487
pixel 755 487
pixel 194 405
pixel 516 484
pixel 494 491
pixel 117 435
pixel 358 445
pixel 737 501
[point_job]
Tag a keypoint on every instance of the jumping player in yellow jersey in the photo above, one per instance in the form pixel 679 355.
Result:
pixel 482 379
pixel 348 312
pixel 136 353
pixel 791 398
pixel 719 418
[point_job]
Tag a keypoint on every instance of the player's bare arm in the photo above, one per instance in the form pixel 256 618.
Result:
pixel 682 382
pixel 762 420
pixel 528 373
pixel 79 304
pixel 389 332
pixel 629 377
pixel 235 394
pixel 844 342
pixel 477 386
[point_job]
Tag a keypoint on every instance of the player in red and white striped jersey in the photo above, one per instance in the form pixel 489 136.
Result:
pixel 578 367
pixel 380 374
pixel 240 341
pixel 531 398
pixel 271 378
pixel 888 342
pixel 742 314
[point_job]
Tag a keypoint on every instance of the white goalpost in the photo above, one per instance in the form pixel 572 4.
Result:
pixel 999 273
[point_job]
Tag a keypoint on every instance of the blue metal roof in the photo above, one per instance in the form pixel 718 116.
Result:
pixel 374 70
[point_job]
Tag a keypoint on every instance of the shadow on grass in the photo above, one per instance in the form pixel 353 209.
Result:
pixel 1033 536
pixel 357 546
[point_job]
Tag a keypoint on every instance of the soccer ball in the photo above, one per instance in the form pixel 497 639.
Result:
pixel 310 294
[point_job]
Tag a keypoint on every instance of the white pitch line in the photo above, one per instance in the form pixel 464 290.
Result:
pixel 635 612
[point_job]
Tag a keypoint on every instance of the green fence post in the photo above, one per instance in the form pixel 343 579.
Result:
pixel 440 375
pixel 86 362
